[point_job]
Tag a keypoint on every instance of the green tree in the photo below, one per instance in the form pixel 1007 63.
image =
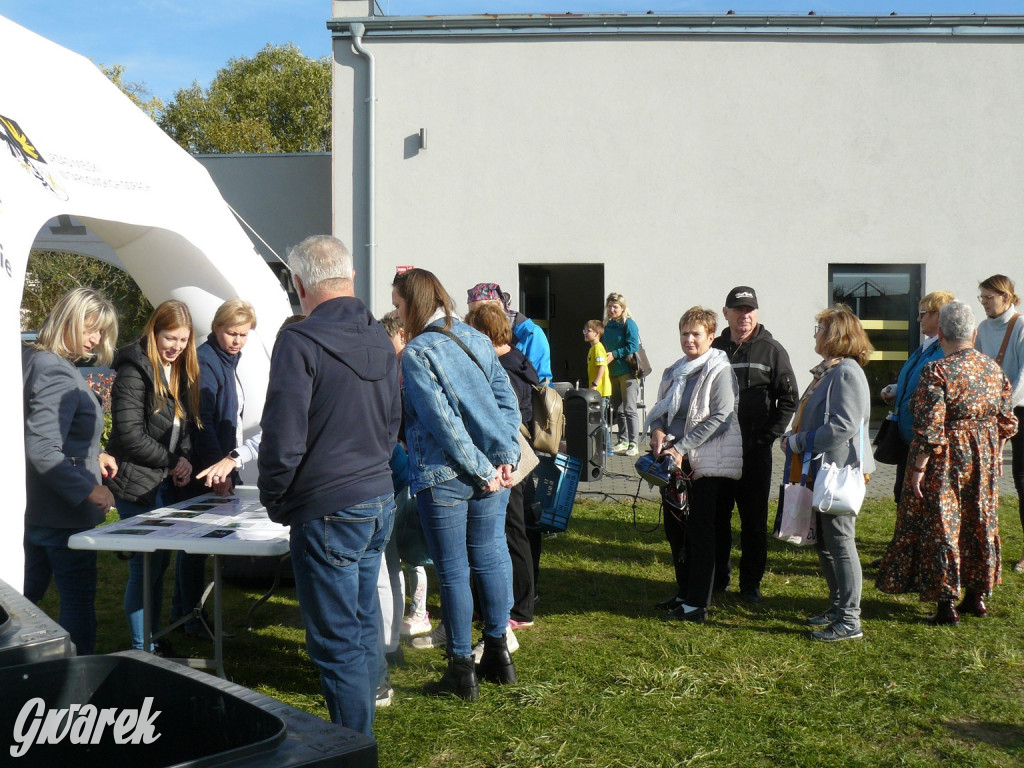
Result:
pixel 137 92
pixel 276 101
pixel 50 274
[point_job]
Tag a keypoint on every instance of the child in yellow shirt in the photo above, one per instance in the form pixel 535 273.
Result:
pixel 597 361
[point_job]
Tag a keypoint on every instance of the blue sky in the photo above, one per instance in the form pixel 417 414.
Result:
pixel 168 44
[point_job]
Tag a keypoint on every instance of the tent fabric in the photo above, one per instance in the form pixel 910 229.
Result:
pixel 72 145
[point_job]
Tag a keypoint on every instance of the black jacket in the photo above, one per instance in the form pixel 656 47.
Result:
pixel 768 393
pixel 140 436
pixel 523 378
pixel 331 416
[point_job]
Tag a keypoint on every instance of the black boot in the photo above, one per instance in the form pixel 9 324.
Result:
pixel 459 680
pixel 496 664
pixel 945 614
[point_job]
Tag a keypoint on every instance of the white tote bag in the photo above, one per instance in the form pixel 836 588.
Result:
pixel 839 490
pixel 795 519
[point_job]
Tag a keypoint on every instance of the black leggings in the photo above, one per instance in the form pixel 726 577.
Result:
pixel 1017 448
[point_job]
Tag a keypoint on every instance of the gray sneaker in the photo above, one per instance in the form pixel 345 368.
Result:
pixel 826 619
pixel 836 633
pixel 510 640
pixel 632 450
pixel 438 638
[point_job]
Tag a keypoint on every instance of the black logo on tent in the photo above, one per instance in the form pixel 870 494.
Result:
pixel 27 156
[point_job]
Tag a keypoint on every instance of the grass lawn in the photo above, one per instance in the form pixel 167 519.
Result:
pixel 603 682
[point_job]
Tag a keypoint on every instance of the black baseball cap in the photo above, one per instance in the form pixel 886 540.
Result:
pixel 741 296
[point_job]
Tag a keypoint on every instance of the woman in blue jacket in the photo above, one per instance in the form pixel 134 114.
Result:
pixel 461 426
pixel 64 467
pixel 622 339
pixel 219 449
pixel 900 393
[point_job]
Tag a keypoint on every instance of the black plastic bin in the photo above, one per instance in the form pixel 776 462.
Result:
pixel 202 720
pixel 27 634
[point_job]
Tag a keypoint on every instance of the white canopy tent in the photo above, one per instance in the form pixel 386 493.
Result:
pixel 72 145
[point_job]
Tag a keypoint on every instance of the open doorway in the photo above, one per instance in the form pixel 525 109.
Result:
pixel 560 298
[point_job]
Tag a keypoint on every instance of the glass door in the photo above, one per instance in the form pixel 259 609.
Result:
pixel 885 298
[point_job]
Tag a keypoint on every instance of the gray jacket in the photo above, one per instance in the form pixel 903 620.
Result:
pixel 63 426
pixel 850 406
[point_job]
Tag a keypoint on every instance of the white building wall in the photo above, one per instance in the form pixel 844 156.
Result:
pixel 688 164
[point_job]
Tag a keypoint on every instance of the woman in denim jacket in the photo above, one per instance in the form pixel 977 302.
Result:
pixel 461 422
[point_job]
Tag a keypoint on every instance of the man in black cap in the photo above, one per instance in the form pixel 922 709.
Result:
pixel 768 398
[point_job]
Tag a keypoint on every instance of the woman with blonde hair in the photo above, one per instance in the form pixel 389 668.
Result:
pixel 1001 337
pixel 155 406
pixel 220 449
pixel 64 466
pixel 900 393
pixel 836 408
pixel 622 339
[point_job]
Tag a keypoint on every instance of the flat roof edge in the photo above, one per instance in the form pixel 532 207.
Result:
pixel 590 24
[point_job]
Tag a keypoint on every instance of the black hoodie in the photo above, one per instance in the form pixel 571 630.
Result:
pixel 331 415
pixel 523 378
pixel 768 393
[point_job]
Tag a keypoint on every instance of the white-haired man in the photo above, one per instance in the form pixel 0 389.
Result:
pixel 329 425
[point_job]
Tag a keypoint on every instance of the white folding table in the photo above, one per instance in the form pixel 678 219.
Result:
pixel 204 525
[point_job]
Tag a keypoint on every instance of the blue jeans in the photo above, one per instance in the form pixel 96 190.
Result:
pixel 465 531
pixel 158 566
pixel 336 560
pixel 47 554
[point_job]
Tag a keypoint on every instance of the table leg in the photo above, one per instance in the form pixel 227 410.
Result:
pixel 218 619
pixel 147 602
pixel 269 593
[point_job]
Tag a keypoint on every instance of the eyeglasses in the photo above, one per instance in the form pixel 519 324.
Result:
pixel 922 313
pixel 818 328
pixel 991 297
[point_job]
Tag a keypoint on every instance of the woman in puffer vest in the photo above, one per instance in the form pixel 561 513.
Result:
pixel 695 423
pixel 155 406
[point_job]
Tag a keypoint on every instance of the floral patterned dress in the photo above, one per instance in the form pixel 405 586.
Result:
pixel 949 540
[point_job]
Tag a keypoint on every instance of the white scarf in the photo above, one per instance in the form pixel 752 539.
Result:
pixel 668 405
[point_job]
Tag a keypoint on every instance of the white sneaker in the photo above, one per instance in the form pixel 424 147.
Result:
pixel 416 625
pixel 436 639
pixel 620 447
pixel 510 641
pixel 385 693
pixel 632 450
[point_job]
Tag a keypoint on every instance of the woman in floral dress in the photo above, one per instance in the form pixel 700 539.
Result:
pixel 962 416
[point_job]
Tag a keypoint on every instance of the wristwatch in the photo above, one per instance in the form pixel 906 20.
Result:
pixel 237 457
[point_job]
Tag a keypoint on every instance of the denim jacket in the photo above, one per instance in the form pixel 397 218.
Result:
pixel 457 421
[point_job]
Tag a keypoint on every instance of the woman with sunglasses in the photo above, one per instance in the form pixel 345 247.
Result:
pixel 898 395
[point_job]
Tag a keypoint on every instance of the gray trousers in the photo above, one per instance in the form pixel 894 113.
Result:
pixel 837 554
pixel 624 396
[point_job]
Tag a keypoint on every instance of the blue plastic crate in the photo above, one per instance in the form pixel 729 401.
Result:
pixel 557 479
